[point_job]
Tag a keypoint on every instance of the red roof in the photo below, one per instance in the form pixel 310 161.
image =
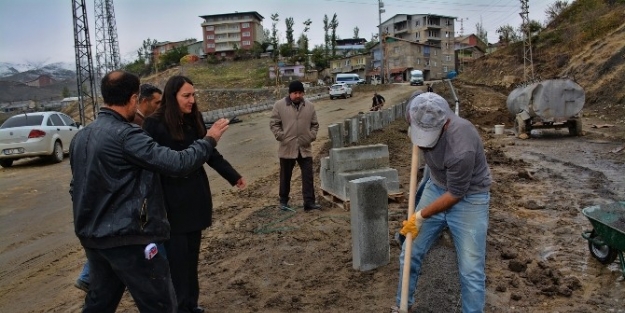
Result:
pixel 398 70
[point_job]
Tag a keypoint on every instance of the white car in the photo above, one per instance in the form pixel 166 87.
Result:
pixel 45 134
pixel 340 90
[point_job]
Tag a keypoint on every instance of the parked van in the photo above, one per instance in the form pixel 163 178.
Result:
pixel 350 79
pixel 416 78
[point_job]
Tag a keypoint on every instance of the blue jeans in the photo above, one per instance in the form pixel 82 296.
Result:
pixel 468 223
pixel 84 274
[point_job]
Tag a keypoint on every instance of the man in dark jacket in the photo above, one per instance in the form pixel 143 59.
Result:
pixel 118 200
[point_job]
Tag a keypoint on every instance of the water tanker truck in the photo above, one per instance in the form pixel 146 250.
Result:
pixel 554 103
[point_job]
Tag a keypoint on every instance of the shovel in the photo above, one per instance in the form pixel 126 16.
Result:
pixel 414 166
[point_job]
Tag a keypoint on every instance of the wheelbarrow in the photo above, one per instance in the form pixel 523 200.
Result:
pixel 607 239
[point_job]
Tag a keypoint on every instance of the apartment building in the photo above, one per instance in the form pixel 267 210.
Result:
pixel 401 56
pixel 468 48
pixel 357 64
pixel 222 33
pixel 428 29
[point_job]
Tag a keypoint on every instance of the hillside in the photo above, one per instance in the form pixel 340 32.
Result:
pixel 585 43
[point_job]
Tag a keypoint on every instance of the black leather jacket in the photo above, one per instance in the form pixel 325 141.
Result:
pixel 116 190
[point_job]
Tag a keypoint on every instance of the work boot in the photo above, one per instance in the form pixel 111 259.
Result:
pixel 284 206
pixel 312 206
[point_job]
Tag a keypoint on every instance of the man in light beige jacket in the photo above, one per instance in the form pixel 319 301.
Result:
pixel 294 124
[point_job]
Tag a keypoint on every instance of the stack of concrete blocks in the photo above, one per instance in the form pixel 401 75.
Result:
pixel 346 164
pixel 354 129
pixel 369 223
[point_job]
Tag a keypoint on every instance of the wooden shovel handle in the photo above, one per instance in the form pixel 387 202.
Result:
pixel 414 167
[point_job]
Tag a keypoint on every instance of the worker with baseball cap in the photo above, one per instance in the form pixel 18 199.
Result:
pixel 456 195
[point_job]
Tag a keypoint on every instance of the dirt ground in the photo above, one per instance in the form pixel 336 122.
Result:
pixel 257 258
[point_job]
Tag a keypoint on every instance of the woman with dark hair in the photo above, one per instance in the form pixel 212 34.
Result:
pixel 176 124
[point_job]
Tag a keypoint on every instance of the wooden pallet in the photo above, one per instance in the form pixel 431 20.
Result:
pixel 344 204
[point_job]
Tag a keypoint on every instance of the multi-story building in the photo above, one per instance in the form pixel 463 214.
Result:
pixel 357 64
pixel 401 56
pixel 427 29
pixel 161 48
pixel 224 33
pixel 468 48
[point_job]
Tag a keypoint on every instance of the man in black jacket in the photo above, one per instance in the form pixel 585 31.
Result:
pixel 118 200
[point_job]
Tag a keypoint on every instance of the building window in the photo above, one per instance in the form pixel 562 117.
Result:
pixel 444 69
pixel 246 34
pixel 434 64
pixel 418 61
pixel 301 70
pixel 210 36
pixel 416 23
pixel 396 50
pixel 448 57
pixel 210 28
pixel 210 45
pixel 435 52
pixel 245 25
pixel 246 42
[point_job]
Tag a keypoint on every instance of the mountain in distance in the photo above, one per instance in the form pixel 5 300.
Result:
pixel 22 72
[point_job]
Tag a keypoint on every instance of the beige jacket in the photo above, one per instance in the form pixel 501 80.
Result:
pixel 294 129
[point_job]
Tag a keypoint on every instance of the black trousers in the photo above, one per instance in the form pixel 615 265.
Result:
pixel 183 251
pixel 286 172
pixel 113 270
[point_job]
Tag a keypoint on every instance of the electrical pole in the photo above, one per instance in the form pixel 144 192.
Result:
pixel 381 39
pixel 528 63
pixel 84 65
pixel 107 47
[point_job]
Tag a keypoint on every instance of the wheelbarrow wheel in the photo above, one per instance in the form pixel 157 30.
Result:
pixel 602 253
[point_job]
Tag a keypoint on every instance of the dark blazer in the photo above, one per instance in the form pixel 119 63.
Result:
pixel 188 199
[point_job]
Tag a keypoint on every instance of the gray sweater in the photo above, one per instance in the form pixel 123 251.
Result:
pixel 457 162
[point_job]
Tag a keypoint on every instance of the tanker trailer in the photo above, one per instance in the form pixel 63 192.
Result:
pixel 554 103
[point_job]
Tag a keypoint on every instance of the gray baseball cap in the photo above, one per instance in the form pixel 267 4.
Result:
pixel 428 113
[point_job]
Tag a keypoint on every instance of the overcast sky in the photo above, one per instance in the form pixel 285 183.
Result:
pixel 42 30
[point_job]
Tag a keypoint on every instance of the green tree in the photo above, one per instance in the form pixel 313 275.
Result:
pixel 171 57
pixel 266 39
pixel 480 32
pixel 289 22
pixel 326 38
pixel 356 31
pixel 334 24
pixel 555 9
pixel 319 58
pixel 275 18
pixel 65 92
pixel 507 34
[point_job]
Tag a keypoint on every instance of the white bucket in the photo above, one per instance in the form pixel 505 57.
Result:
pixel 499 129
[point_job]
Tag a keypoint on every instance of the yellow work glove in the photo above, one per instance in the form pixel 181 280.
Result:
pixel 412 225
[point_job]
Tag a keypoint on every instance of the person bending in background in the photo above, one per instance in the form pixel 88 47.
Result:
pixel 378 102
pixel 176 125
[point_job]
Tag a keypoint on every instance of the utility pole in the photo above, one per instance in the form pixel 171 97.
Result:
pixel 84 65
pixel 381 39
pixel 528 63
pixel 107 47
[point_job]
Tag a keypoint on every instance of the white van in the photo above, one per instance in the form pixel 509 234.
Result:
pixel 350 79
